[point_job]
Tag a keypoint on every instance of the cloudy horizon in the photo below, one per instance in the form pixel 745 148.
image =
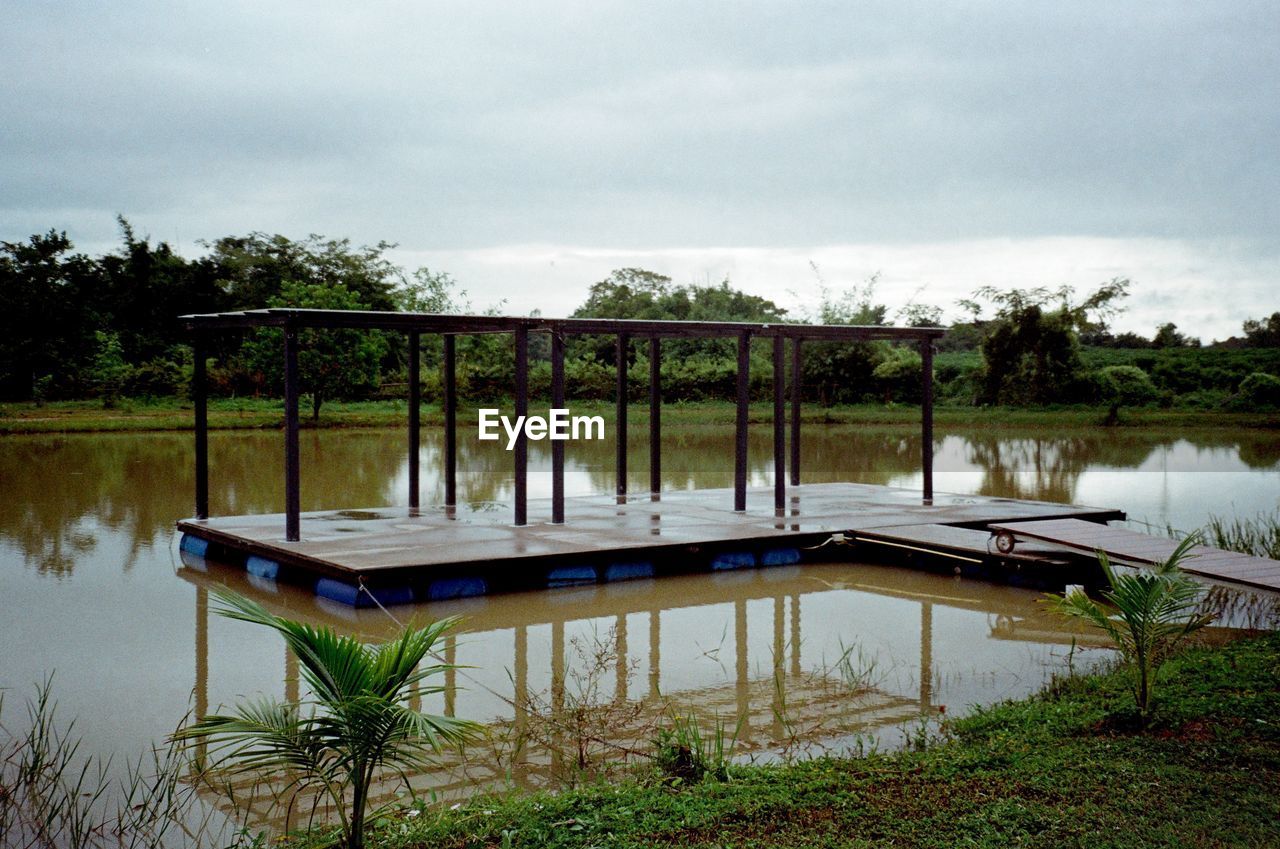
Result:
pixel 528 151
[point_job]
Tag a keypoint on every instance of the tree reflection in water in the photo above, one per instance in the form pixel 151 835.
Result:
pixel 64 492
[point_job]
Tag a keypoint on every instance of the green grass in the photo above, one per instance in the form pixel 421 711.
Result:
pixel 248 413
pixel 1058 769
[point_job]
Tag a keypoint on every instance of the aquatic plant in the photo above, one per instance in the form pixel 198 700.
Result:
pixel 584 724
pixel 684 755
pixel 356 723
pixel 1146 615
pixel 858 668
pixel 1258 536
pixel 53 794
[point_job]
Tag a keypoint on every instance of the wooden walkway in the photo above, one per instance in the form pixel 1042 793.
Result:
pixel 1139 548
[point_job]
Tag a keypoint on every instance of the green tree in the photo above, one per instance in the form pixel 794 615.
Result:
pixel 255 269
pixel 899 374
pixel 853 305
pixel 628 293
pixel 48 315
pixel 1264 332
pixel 1146 615
pixel 109 371
pixel 356 724
pixel 843 372
pixel 428 291
pixel 1124 386
pixel 145 288
pixel 920 315
pixel 1031 350
pixel 634 293
pixel 1167 336
pixel 331 363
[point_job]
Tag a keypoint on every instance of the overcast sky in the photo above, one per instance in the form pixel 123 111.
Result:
pixel 528 149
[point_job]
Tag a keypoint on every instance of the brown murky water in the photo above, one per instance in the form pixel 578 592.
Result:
pixel 822 658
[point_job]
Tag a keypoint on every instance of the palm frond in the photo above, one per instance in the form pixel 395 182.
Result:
pixel 263 734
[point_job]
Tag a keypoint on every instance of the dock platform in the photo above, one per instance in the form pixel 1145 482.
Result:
pixel 402 554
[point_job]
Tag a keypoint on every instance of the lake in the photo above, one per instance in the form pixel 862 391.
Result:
pixel 797 660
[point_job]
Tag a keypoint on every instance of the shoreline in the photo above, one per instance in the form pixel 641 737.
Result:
pixel 265 414
pixel 1062 767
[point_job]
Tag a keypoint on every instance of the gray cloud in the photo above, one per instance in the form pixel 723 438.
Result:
pixel 454 126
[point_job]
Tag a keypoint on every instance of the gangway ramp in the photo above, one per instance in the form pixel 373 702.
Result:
pixel 1135 547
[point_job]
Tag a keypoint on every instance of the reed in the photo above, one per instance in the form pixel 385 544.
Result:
pixel 1258 535
pixel 52 794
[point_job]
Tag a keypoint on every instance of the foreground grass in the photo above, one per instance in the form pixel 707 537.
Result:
pixel 1059 769
pixel 249 413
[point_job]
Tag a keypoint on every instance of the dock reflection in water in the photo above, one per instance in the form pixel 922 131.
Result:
pixel 796 660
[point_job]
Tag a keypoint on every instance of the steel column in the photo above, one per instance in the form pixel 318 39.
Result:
pixel 200 401
pixel 795 411
pixel 740 434
pixel 522 411
pixel 292 485
pixel 450 422
pixel 655 418
pixel 926 417
pixel 779 425
pixel 415 401
pixel 557 445
pixel 624 343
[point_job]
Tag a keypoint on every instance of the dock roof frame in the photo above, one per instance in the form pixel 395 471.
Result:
pixel 291 320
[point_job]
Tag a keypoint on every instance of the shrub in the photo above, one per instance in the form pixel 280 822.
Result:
pixel 898 375
pixel 1259 390
pixel 1126 386
pixel 155 378
pixel 109 371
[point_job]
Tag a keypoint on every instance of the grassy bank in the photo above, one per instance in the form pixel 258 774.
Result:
pixel 248 413
pixel 1055 770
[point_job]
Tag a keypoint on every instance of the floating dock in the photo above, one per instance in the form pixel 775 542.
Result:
pixel 408 554
pixel 398 555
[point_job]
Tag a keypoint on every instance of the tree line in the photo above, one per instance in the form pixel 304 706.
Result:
pixel 74 326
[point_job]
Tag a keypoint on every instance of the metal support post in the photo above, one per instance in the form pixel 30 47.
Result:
pixel 450 421
pixel 522 411
pixel 655 418
pixel 740 433
pixel 557 445
pixel 624 344
pixel 200 401
pixel 292 483
pixel 415 401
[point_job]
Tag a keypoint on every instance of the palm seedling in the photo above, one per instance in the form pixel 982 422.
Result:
pixel 1146 615
pixel 356 722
